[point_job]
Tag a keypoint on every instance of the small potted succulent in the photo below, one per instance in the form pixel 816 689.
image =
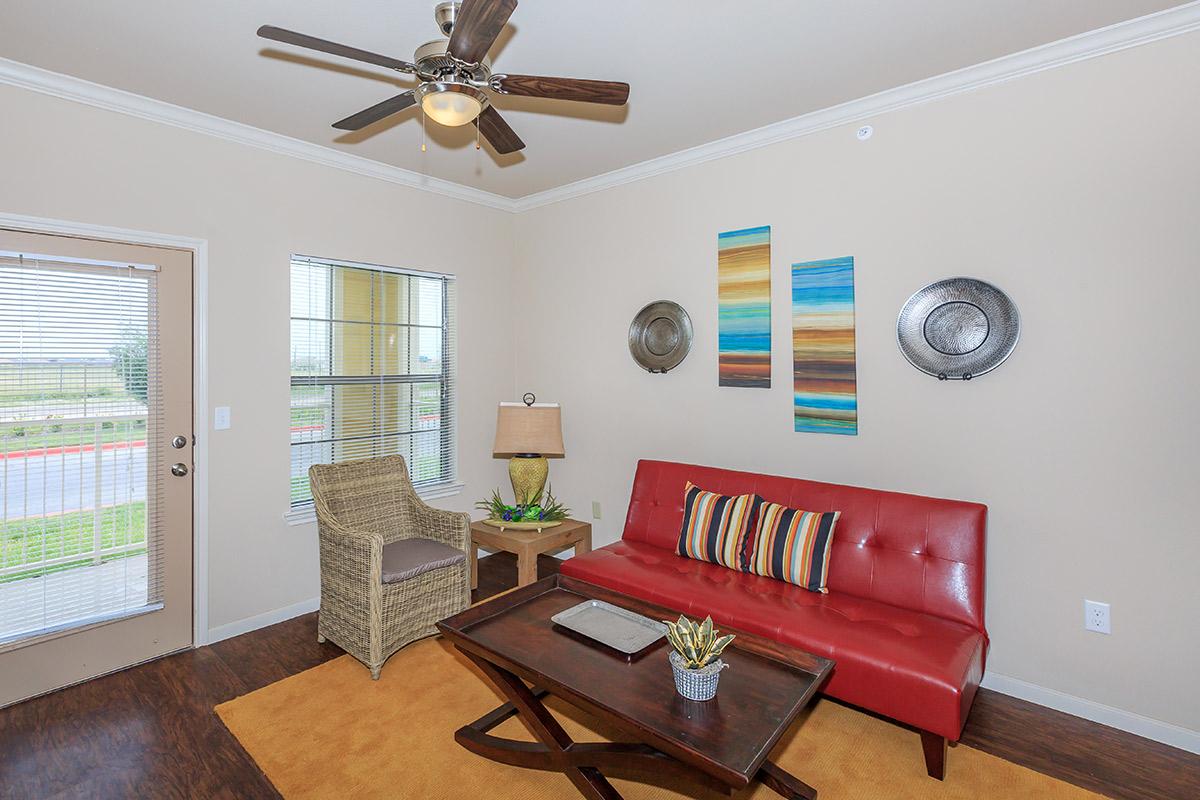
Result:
pixel 695 659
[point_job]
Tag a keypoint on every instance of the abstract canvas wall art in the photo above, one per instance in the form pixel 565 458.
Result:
pixel 825 388
pixel 744 307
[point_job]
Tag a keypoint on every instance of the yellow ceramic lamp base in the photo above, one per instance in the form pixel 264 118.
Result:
pixel 528 476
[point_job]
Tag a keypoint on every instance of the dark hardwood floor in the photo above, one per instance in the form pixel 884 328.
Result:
pixel 150 731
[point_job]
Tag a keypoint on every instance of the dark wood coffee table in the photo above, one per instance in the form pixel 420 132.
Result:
pixel 722 743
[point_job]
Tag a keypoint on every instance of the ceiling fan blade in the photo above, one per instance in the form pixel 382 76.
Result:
pixel 476 27
pixel 376 112
pixel 608 92
pixel 333 48
pixel 493 127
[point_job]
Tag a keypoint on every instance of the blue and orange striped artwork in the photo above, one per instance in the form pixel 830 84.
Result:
pixel 824 376
pixel 744 308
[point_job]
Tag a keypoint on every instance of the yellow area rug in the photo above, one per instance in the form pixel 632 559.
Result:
pixel 332 732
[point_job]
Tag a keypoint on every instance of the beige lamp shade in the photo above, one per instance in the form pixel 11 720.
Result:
pixel 534 429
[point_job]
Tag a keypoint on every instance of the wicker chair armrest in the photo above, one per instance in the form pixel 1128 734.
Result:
pixel 351 552
pixel 360 536
pixel 449 527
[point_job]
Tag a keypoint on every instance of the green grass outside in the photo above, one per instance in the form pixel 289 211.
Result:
pixel 308 415
pixel 29 540
pixel 24 388
pixel 15 438
pixel 27 383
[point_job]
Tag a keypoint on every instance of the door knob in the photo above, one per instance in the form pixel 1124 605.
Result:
pixel 179 442
pixel 179 470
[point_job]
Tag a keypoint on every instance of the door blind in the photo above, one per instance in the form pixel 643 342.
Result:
pixel 80 537
pixel 372 360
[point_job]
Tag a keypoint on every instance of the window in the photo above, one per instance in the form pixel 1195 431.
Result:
pixel 372 370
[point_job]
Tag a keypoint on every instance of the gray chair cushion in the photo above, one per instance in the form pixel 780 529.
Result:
pixel 409 558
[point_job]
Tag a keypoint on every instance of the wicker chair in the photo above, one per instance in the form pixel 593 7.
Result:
pixel 362 508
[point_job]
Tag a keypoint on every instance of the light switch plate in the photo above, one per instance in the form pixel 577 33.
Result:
pixel 221 418
pixel 595 509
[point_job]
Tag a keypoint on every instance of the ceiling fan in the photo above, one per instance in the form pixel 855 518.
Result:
pixel 456 74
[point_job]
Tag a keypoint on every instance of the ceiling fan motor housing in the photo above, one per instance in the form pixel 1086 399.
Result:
pixel 434 63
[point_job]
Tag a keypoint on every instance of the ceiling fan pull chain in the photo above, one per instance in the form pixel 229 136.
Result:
pixel 422 129
pixel 478 155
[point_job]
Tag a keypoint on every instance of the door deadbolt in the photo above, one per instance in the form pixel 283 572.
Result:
pixel 179 470
pixel 179 442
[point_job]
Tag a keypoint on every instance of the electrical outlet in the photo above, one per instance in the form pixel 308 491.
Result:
pixel 1095 617
pixel 595 509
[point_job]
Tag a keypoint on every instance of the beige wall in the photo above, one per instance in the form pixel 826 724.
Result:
pixel 1078 192
pixel 73 162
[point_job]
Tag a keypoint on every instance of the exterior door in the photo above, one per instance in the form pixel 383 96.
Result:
pixel 95 458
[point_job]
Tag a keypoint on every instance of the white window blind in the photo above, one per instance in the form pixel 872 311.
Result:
pixel 80 538
pixel 372 369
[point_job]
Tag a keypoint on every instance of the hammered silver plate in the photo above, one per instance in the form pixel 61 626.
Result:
pixel 612 626
pixel 958 328
pixel 660 336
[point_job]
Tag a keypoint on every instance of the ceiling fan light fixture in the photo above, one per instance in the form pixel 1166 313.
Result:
pixel 451 104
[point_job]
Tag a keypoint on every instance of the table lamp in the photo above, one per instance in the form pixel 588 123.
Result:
pixel 526 433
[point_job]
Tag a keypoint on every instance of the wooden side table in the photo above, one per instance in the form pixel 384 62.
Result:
pixel 528 545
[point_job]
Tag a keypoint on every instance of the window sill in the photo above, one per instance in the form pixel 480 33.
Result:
pixel 305 514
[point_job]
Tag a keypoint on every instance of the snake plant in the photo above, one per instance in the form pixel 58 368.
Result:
pixel 698 644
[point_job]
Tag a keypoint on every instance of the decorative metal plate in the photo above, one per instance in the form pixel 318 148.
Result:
pixel 958 328
pixel 612 626
pixel 660 336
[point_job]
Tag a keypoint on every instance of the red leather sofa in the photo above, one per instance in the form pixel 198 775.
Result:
pixel 903 618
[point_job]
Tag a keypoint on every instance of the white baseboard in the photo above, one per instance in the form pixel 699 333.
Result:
pixel 1127 721
pixel 248 624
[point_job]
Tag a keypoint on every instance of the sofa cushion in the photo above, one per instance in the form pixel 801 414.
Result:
pixel 901 663
pixel 408 558
pixel 715 526
pixel 792 545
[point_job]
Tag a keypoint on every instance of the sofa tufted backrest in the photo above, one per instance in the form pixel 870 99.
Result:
pixel 919 553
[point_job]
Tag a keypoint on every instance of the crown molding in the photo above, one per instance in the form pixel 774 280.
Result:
pixel 1102 41
pixel 15 73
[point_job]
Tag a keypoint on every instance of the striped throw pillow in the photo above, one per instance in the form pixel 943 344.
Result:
pixel 715 525
pixel 792 545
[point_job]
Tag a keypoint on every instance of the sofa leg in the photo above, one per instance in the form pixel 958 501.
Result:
pixel 320 639
pixel 935 754
pixel 375 672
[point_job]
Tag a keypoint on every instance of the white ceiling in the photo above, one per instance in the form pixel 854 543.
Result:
pixel 700 69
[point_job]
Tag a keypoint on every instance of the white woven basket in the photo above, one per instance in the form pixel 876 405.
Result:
pixel 696 684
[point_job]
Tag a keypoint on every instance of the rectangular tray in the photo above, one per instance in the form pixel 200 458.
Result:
pixel 611 626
